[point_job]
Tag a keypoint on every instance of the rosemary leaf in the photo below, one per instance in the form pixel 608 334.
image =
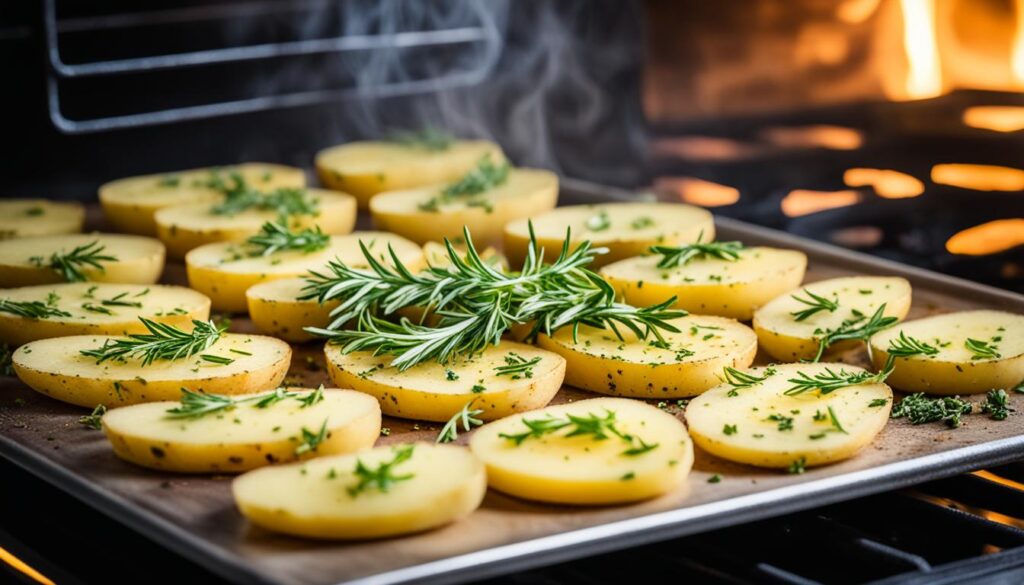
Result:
pixel 31 309
pixel 673 256
pixel 815 304
pixel 832 380
pixel 854 328
pixel 163 342
pixel 467 417
pixel 383 477
pixel 69 265
pixel 276 237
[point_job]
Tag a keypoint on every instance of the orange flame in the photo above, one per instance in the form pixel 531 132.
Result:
pixel 700 192
pixel 887 184
pixel 804 201
pixel 995 118
pixel 979 177
pixel 1017 56
pixel 988 238
pixel 924 78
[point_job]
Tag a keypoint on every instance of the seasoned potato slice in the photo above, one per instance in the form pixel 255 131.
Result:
pixel 328 498
pixel 97 309
pixel 130 204
pixel 708 285
pixel 626 229
pixel 367 168
pixel 761 425
pixel 224 271
pixel 246 435
pixel 186 227
pixel 275 309
pixel 526 192
pixel 57 368
pixel 26 261
pixel 687 364
pixel 948 364
pixel 39 217
pixel 430 391
pixel 856 298
pixel 641 452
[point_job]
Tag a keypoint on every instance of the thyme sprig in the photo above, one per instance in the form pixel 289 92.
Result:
pixel 981 350
pixel 598 427
pixel 275 237
pixel 239 196
pixel 855 328
pixel 673 256
pixel 476 303
pixel 195 405
pixel 482 178
pixel 163 342
pixel 69 265
pixel 831 380
pixel 31 309
pixel 428 138
pixel 815 304
pixel 997 404
pixel 383 477
pixel 906 346
pixel 467 417
pixel 517 366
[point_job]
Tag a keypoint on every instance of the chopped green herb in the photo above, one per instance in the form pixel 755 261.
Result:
pixel 997 405
pixel 919 409
pixel 383 478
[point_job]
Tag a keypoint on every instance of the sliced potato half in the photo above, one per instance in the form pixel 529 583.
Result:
pixel 224 271
pixel 325 497
pixel 950 366
pixel 98 309
pixel 786 339
pixel 185 227
pixel 367 168
pixel 430 391
pixel 26 261
pixel 130 204
pixel 57 368
pixel 643 452
pixel 687 364
pixel 39 217
pixel 526 192
pixel 247 435
pixel 710 286
pixel 626 229
pixel 275 309
pixel 761 425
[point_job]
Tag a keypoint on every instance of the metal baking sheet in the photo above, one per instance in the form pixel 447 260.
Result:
pixel 195 516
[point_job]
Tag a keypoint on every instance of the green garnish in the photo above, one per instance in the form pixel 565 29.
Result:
pixel 383 477
pixel 598 427
pixel 216 359
pixel 484 177
pixel 310 440
pixel 815 304
pixel 199 404
pixel 785 423
pixel 96 309
pixel 69 265
pixel 599 222
pixel 641 223
pixel 798 466
pixel 117 301
pixel 31 309
pixel 276 237
pixel 240 196
pixel 430 139
pixel 905 346
pixel 673 256
pixel 517 366
pixel 878 402
pixel 982 350
pixel 832 380
pixel 163 342
pixel 854 328
pixel 467 417
pixel 729 429
pixel 919 409
pixel 94 419
pixel 740 380
pixel 997 404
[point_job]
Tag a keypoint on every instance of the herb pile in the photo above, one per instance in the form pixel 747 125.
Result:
pixel 919 409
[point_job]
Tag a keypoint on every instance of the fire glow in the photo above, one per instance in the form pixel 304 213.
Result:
pixel 886 183
pixel 995 118
pixel 979 177
pixel 988 238
pixel 801 202
pixel 700 192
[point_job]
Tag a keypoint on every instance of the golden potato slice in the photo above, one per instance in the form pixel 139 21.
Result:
pixel 948 364
pixel 626 229
pixel 367 168
pixel 96 309
pixel 57 368
pixel 525 193
pixel 329 498
pixel 856 298
pixel 633 452
pixel 431 391
pixel 130 204
pixel 224 271
pixel 39 217
pixel 760 424
pixel 687 364
pixel 275 309
pixel 708 285
pixel 186 227
pixel 250 433
pixel 27 261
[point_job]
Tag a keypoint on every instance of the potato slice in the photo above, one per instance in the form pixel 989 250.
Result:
pixel 786 339
pixel 321 498
pixel 761 425
pixel 224 271
pixel 427 391
pixel 275 309
pixel 99 309
pixel 710 286
pixel 26 261
pixel 186 227
pixel 951 367
pixel 246 436
pixel 645 452
pixel 367 168
pixel 526 192
pixel 39 217
pixel 626 229
pixel 686 365
pixel 57 368
pixel 130 204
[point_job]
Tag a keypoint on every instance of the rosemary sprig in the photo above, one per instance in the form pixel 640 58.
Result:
pixel 311 441
pixel 467 417
pixel 163 342
pixel 94 419
pixel 69 265
pixel 739 380
pixel 31 309
pixel 484 177
pixel 598 427
pixel 815 304
pixel 276 237
pixel 982 350
pixel 673 256
pixel 239 196
pixel 854 328
pixel 383 477
pixel 517 366
pixel 919 409
pixel 118 301
pixel 476 302
pixel 307 399
pixel 428 138
pixel 195 405
pixel 835 422
pixel 832 380
pixel 906 346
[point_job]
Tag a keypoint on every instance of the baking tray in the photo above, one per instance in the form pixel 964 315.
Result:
pixel 195 516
